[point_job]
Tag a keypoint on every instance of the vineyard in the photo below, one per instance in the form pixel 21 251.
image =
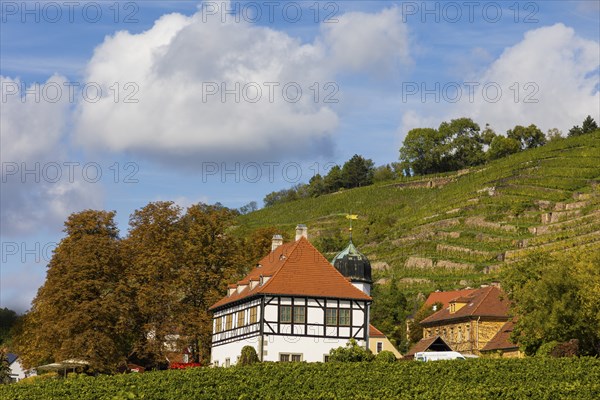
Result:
pixel 534 378
pixel 457 230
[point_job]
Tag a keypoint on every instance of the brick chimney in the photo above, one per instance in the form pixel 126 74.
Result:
pixel 277 241
pixel 301 231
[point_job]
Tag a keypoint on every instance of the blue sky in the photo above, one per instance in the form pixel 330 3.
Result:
pixel 163 129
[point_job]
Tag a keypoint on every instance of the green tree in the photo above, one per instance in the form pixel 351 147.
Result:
pixel 4 369
pixel 529 137
pixel 553 134
pixel 384 173
pixel 553 298
pixel 388 311
pixel 78 313
pixel 352 352
pixel 357 171
pixel 501 147
pixel 248 356
pixel 463 144
pixel 415 330
pixel 8 318
pixel 333 181
pixel 422 151
pixel 589 125
pixel 316 186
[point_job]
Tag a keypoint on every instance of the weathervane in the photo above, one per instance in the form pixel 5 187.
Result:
pixel 351 217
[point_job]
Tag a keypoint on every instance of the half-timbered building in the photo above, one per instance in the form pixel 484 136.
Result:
pixel 294 305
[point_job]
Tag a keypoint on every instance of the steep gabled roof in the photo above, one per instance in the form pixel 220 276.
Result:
pixel 11 358
pixel 485 302
pixel 374 332
pixel 501 341
pixel 295 269
pixel 434 343
pixel 446 297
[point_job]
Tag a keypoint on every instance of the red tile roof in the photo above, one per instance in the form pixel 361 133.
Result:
pixel 501 341
pixel 374 332
pixel 296 269
pixel 445 297
pixel 485 302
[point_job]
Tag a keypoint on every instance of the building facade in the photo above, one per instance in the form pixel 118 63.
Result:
pixel 293 306
pixel 470 321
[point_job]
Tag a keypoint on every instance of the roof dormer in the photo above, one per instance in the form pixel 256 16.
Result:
pixel 458 303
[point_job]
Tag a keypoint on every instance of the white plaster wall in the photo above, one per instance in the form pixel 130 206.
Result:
pixel 233 350
pixel 312 349
pixel 365 287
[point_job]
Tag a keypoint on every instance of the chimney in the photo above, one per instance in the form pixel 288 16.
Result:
pixel 301 231
pixel 277 241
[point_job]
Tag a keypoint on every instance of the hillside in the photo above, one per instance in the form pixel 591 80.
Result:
pixel 458 229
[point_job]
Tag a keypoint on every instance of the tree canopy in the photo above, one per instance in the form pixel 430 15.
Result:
pixel 554 298
pixel 110 301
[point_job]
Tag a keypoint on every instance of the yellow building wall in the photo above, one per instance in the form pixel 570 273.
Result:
pixel 387 345
pixel 466 337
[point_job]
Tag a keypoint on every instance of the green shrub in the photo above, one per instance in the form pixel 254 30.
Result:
pixel 351 353
pixel 385 356
pixel 248 356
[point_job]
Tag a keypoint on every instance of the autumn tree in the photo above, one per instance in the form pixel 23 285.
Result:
pixel 78 312
pixel 211 258
pixel 152 253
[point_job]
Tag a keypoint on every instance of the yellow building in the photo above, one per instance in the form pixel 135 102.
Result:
pixel 470 322
pixel 378 342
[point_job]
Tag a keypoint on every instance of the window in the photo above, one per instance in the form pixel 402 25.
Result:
pixel 326 358
pixel 379 347
pixel 331 315
pixel 344 317
pixel 286 357
pixel 240 318
pixel 299 315
pixel 219 325
pixel 253 315
pixel 227 362
pixel 285 314
pixel 216 363
pixel 228 321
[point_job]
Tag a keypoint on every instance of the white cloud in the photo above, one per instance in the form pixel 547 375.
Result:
pixel 33 155
pixel 374 42
pixel 556 73
pixel 180 58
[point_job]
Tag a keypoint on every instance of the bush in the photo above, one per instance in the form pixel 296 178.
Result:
pixel 351 353
pixel 385 356
pixel 248 356
pixel 546 348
